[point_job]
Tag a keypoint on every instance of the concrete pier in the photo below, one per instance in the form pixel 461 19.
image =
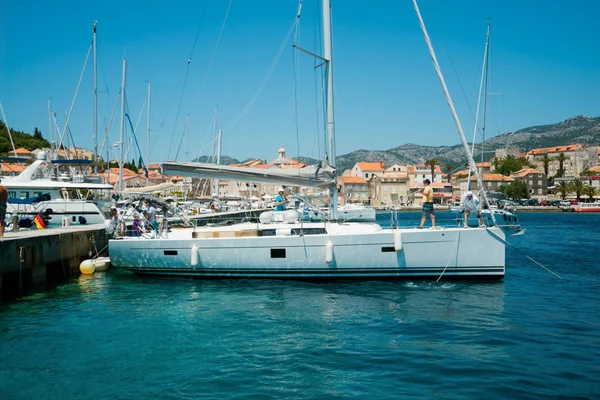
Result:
pixel 32 257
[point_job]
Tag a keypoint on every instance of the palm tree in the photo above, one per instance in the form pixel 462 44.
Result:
pixel 546 163
pixel 432 163
pixel 590 192
pixel 561 163
pixel 448 168
pixel 564 188
pixel 577 188
pixel 496 162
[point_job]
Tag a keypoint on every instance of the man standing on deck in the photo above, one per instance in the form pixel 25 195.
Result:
pixel 280 200
pixel 150 215
pixel 3 201
pixel 427 193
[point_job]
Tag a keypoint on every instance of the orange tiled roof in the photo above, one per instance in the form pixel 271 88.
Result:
pixel 370 166
pixel 21 150
pixel 494 178
pixel 428 168
pixel 153 166
pixel 12 168
pixel 355 180
pixel 526 171
pixel 595 169
pixel 555 149
pixel 485 164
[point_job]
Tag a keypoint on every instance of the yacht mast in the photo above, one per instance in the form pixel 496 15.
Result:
pixel 148 136
pixel 329 102
pixel 121 140
pixel 481 90
pixel 95 103
pixel 485 93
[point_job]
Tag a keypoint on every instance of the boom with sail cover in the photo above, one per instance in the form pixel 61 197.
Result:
pixel 322 175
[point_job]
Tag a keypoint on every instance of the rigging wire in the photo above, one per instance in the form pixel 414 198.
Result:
pixel 217 44
pixel 76 93
pixel 266 77
pixel 187 71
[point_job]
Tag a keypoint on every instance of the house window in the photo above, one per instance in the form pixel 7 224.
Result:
pixel 530 182
pixel 489 184
pixel 540 183
pixel 366 175
pixel 539 191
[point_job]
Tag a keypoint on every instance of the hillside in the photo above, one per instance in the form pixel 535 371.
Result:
pixel 580 129
pixel 20 139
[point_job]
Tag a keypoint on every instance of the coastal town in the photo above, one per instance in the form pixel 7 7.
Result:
pixel 568 172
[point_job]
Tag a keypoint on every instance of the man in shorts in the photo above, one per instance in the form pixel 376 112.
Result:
pixel 3 201
pixel 427 193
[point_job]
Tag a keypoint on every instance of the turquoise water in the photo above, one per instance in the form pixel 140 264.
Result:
pixel 118 336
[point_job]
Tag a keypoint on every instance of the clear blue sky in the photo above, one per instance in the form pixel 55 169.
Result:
pixel 544 59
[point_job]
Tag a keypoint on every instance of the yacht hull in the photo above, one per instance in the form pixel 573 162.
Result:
pixel 379 254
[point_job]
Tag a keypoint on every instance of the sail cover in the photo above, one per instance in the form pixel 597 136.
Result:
pixel 321 175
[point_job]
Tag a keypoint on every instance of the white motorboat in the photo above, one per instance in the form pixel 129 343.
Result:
pixel 64 198
pixel 280 245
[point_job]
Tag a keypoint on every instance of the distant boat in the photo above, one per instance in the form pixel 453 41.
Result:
pixel 64 198
pixel 588 207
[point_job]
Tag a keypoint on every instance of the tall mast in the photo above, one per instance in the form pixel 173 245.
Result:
pixel 329 101
pixel 217 133
pixel 51 131
pixel 121 140
pixel 148 136
pixel 187 122
pixel 95 102
pixel 485 93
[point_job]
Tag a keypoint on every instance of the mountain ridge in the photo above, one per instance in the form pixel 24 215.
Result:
pixel 580 129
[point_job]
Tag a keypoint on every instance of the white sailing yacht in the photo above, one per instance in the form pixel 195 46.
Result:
pixel 283 246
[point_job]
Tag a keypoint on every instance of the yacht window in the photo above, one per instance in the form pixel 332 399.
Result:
pixel 64 193
pixel 24 195
pixel 12 195
pixel 277 253
pixel 37 194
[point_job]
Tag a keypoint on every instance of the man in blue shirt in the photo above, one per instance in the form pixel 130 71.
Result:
pixel 280 200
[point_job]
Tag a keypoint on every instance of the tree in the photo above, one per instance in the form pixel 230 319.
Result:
pixel 140 163
pixel 577 188
pixel 546 163
pixel 515 190
pixel 37 134
pixel 448 168
pixel 432 163
pixel 561 158
pixel 496 161
pixel 590 191
pixel 563 188
pixel 509 164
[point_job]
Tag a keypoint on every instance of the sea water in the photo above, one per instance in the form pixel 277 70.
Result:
pixel 121 336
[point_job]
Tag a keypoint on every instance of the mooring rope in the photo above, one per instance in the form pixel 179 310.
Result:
pixel 531 259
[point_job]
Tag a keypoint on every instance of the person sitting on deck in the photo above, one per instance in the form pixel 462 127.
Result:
pixel 470 203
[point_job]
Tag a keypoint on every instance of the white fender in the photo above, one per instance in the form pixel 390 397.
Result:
pixel 194 257
pixel 329 252
pixel 397 240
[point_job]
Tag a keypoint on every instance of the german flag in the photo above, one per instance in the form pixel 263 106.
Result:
pixel 39 222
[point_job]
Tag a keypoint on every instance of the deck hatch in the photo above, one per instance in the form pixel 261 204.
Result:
pixel 388 249
pixel 170 252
